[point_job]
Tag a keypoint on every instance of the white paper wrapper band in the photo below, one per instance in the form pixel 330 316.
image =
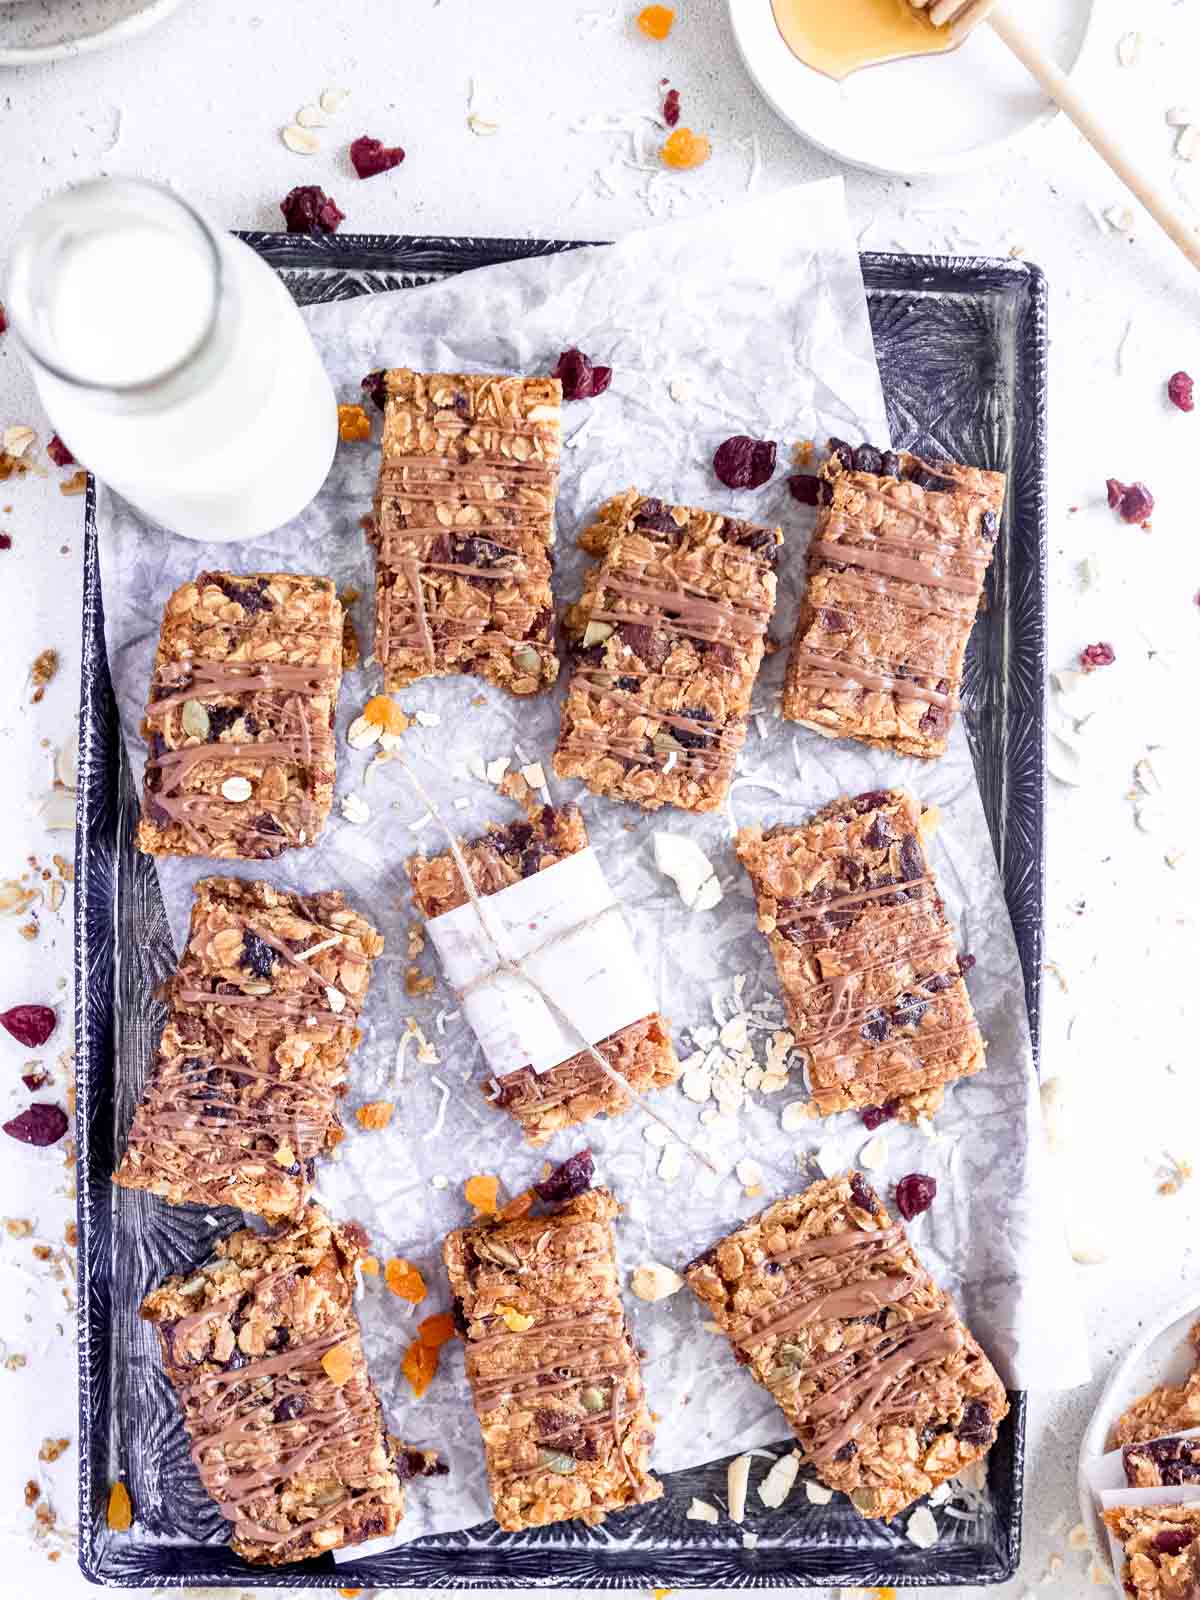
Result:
pixel 565 929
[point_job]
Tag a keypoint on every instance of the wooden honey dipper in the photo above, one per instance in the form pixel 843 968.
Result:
pixel 959 17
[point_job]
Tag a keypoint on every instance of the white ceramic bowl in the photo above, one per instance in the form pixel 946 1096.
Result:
pixel 1163 1354
pixel 54 30
pixel 914 118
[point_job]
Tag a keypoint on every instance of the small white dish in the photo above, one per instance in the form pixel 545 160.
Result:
pixel 916 118
pixel 54 30
pixel 1163 1354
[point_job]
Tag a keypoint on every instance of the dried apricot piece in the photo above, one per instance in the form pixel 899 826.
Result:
pixel 655 21
pixel 436 1330
pixel 120 1508
pixel 353 424
pixel 375 1114
pixel 684 149
pixel 518 1206
pixel 419 1365
pixel 339 1363
pixel 403 1279
pixel 481 1192
pixel 370 1265
pixel 381 711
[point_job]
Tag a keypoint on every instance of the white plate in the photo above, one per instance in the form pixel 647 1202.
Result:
pixel 51 30
pixel 1163 1354
pixel 929 115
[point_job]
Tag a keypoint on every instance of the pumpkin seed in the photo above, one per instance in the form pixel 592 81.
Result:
pixel 195 719
pixel 663 741
pixel 557 1461
pixel 527 659
pixel 593 1399
pixel 596 633
pixel 866 1501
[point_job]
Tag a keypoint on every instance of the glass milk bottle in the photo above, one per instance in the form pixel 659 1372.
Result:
pixel 171 360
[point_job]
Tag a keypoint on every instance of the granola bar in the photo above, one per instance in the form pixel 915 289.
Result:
pixel 823 1299
pixel 262 1348
pixel 463 528
pixel 866 959
pixel 240 716
pixel 895 573
pixel 262 1016
pixel 1160 1462
pixel 577 1089
pixel 552 1367
pixel 1170 1408
pixel 1162 1548
pixel 668 636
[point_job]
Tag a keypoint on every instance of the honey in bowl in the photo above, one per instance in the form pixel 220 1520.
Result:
pixel 837 37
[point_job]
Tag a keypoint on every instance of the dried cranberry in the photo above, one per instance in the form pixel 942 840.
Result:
pixel 458 1315
pixel 914 1194
pixel 876 1028
pixel 848 1451
pixel 308 209
pixel 5 541
pixel 671 112
pixel 843 452
pixel 531 861
pixel 59 454
pixel 890 465
pixel 760 540
pixel 580 379
pixel 875 1116
pixel 1097 655
pixel 252 597
pixel 976 1427
pixel 908 1011
pixel 566 1181
pixel 805 487
pixel 257 955
pixel 41 1124
pixel 30 1025
pixel 689 739
pixel 879 835
pixel 932 482
pixel 34 1081
pixel 833 621
pixel 744 463
pixel 1179 391
pixel 419 1464
pixel 289 1408
pixel 375 388
pixel 370 157
pixel 3 320
pixel 1132 502
pixel 1171 1541
pixel 868 459
pixel 989 525
pixel 650 647
pixel 871 801
pixel 938 982
pixel 912 859
pixel 965 962
pixel 861 1193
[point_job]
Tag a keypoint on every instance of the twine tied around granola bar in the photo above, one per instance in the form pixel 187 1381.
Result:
pixel 506 965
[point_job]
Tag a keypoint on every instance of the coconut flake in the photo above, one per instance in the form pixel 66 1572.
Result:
pixel 427 719
pixel 749 1173
pixel 701 1511
pixel 777 1485
pixel 355 809
pixel 671 1163
pixel 873 1154
pixel 682 860
pixel 922 1529
pixel 738 1481
pixel 440 1118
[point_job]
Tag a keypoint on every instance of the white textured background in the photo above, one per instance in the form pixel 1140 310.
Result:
pixel 200 100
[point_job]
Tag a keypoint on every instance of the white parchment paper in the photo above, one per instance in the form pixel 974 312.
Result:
pixel 751 320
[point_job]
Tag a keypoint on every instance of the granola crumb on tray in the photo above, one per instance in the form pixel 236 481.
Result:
pixel 824 1300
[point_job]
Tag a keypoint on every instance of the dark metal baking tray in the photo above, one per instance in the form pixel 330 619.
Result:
pixel 962 349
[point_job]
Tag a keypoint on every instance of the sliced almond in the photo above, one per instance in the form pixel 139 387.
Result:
pixel 310 117
pixel 237 789
pixel 332 100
